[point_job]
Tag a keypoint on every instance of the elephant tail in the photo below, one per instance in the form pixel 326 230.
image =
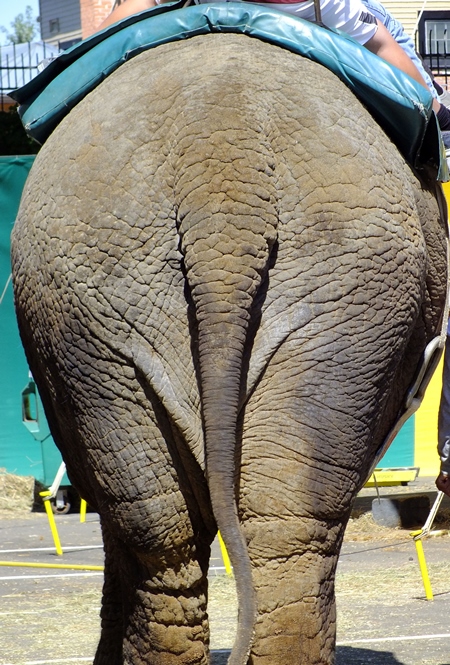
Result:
pixel 226 258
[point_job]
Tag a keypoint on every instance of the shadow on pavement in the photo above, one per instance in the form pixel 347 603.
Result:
pixel 358 656
pixel 344 656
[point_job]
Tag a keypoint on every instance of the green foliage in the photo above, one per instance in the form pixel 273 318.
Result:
pixel 24 28
pixel 13 138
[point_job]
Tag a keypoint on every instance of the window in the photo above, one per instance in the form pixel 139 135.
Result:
pixel 434 41
pixel 434 33
pixel 53 25
pixel 437 36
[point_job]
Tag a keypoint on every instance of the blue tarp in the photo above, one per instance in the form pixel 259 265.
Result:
pixel 401 106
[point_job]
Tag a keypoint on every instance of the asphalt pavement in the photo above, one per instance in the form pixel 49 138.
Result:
pixel 377 625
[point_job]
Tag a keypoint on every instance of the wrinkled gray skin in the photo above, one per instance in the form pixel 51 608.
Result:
pixel 225 274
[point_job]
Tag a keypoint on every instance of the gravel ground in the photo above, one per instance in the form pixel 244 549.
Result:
pixel 50 615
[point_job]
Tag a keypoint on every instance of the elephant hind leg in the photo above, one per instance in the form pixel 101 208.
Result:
pixel 154 608
pixel 109 650
pixel 122 454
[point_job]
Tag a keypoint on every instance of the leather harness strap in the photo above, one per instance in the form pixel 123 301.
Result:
pixel 317 12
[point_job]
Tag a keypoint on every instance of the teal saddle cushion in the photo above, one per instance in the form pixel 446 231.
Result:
pixel 400 105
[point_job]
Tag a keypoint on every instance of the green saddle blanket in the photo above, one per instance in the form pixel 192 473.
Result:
pixel 400 105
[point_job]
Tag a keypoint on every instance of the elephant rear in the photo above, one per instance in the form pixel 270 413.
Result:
pixel 223 291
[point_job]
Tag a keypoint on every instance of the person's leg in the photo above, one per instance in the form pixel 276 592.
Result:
pixel 396 30
pixel 354 18
pixel 384 45
pixel 125 9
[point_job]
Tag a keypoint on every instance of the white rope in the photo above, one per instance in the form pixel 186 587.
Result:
pixel 4 290
pixel 429 523
pixel 416 27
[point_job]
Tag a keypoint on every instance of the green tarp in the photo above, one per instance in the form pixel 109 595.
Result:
pixel 20 453
pixel 401 451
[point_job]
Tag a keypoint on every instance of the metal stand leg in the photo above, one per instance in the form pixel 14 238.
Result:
pixel 50 494
pixel 225 557
pixel 83 507
pixel 47 495
pixel 418 535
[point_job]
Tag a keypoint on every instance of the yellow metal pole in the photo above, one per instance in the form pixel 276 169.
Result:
pixel 73 566
pixel 83 506
pixel 225 557
pixel 422 564
pixel 51 519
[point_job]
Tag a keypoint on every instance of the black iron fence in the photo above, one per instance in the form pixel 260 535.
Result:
pixel 19 63
pixel 439 64
pixel 435 54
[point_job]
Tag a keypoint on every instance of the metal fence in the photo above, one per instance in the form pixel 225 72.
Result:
pixel 439 64
pixel 19 63
pixel 437 60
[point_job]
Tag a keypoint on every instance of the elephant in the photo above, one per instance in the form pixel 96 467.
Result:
pixel 225 275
